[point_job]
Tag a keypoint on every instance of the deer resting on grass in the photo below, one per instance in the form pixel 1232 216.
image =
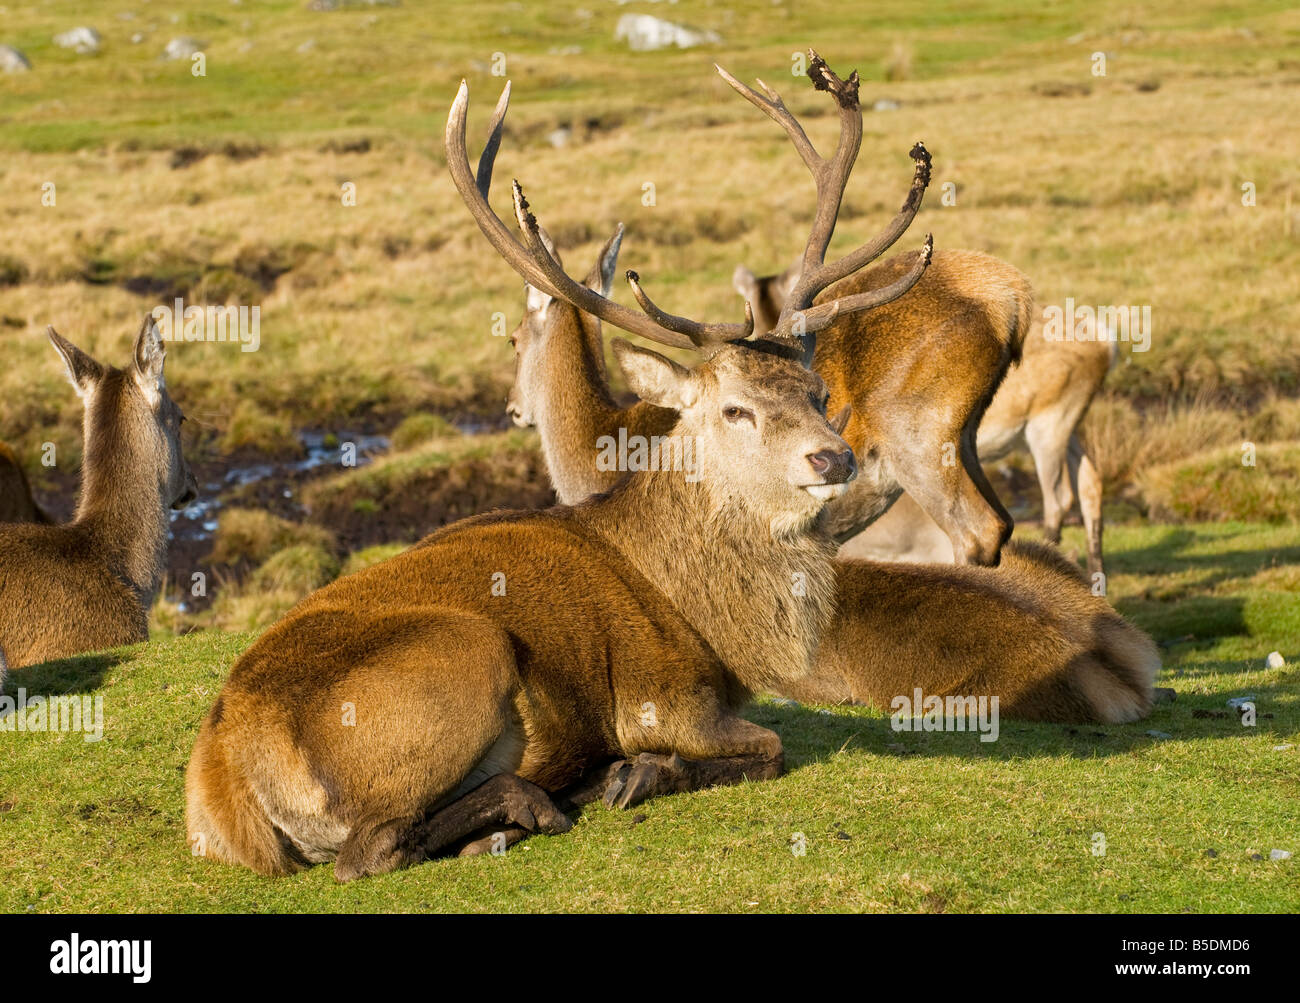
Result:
pixel 89 584
pixel 1029 631
pixel 403 710
pixel 16 501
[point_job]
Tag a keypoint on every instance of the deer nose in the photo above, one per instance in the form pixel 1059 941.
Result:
pixel 835 468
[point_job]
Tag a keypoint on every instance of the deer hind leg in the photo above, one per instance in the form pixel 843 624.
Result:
pixel 1087 486
pixel 1049 446
pixel 949 483
pixel 736 750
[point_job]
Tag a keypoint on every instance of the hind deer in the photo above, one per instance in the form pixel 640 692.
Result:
pixel 16 501
pixel 1040 403
pixel 398 711
pixel 1030 632
pixel 88 585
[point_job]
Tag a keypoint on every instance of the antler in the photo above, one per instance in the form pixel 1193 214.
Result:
pixel 538 266
pixel 799 318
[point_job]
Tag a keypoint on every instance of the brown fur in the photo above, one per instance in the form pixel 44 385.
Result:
pixel 16 501
pixel 1029 632
pixel 1041 404
pixel 613 638
pixel 88 585
pixel 954 626
pixel 920 373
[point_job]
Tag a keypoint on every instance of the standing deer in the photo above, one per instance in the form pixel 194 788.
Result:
pixel 89 584
pixel 1041 402
pixel 1029 632
pixel 16 501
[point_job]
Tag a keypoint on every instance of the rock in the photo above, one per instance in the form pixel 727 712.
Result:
pixel 137 38
pixel 785 702
pixel 1164 694
pixel 12 60
pixel 1211 853
pixel 559 138
pixel 647 33
pixel 1239 702
pixel 1159 734
pixel 1275 660
pixel 886 104
pixel 1257 856
pixel 183 47
pixel 81 39
pixel 1282 748
pixel 1279 854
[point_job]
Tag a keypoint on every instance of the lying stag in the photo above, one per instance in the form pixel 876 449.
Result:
pixel 89 584
pixel 400 710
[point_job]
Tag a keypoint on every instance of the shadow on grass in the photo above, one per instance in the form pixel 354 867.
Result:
pixel 812 736
pixel 1165 556
pixel 81 674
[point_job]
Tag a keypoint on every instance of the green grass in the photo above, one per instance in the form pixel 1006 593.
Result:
pixel 892 821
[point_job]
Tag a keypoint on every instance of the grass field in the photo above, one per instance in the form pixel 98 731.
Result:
pixel 926 822
pixel 378 318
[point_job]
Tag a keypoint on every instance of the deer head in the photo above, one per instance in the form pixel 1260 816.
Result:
pixel 132 426
pixel 544 316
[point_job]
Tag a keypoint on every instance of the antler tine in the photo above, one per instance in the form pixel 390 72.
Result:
pixel 699 334
pixel 533 261
pixel 487 159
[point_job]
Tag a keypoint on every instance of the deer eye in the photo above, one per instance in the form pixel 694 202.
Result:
pixel 734 412
pixel 820 404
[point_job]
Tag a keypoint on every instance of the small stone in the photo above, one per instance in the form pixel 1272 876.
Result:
pixel 183 47
pixel 1211 853
pixel 1282 748
pixel 886 104
pixel 824 712
pixel 1239 702
pixel 1279 854
pixel 1257 856
pixel 785 702
pixel 1164 694
pixel 647 33
pixel 1275 660
pixel 844 835
pixel 13 61
pixel 1159 734
pixel 559 138
pixel 638 818
pixel 82 40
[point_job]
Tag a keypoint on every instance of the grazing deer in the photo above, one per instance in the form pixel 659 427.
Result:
pixel 16 501
pixel 1041 402
pixel 89 584
pixel 400 710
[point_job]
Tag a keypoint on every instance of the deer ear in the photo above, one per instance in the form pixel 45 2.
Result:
pixel 841 421
pixel 786 281
pixel 654 377
pixel 83 371
pixel 149 356
pixel 745 282
pixel 601 277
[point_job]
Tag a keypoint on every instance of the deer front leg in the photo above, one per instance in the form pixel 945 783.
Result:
pixel 505 800
pixel 735 750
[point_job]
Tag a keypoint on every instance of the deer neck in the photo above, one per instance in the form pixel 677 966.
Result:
pixel 574 409
pixel 123 506
pixel 760 600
